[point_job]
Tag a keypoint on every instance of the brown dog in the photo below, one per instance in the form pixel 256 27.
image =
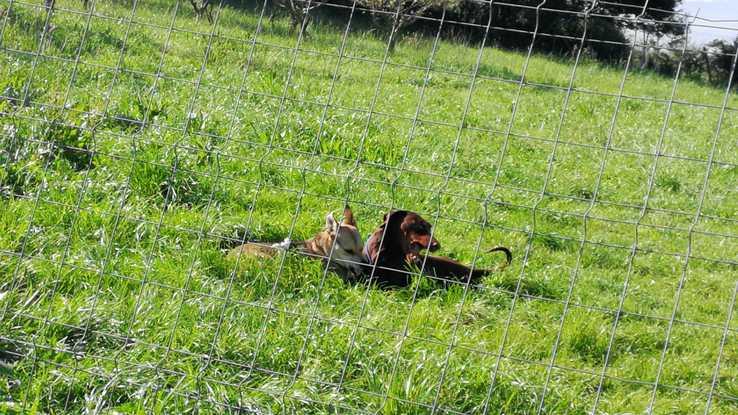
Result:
pixel 402 235
pixel 446 269
pixel 344 255
pixel 405 235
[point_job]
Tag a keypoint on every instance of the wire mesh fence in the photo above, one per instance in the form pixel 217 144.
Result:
pixel 142 141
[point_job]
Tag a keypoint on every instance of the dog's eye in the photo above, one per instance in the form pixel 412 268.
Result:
pixel 422 228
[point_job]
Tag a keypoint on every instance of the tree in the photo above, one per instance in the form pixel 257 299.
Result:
pixel 298 10
pixel 395 15
pixel 560 23
pixel 657 22
pixel 203 7
pixel 718 56
pixel 48 26
pixel 659 17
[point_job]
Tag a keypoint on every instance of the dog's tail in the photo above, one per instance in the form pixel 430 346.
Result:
pixel 508 256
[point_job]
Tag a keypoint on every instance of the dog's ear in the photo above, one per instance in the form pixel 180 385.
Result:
pixel 387 215
pixel 348 217
pixel 393 223
pixel 330 223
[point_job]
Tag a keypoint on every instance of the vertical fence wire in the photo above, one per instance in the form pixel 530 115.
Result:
pixel 642 215
pixel 122 200
pixel 150 254
pixel 418 108
pixel 5 22
pixel 37 201
pixel 249 222
pixel 80 195
pixel 723 340
pixel 573 279
pixel 298 206
pixel 393 186
pixel 314 307
pixel 466 285
pixel 634 249
pixel 531 231
pixel 204 220
pixel 690 232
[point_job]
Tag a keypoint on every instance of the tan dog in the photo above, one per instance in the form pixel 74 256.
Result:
pixel 345 254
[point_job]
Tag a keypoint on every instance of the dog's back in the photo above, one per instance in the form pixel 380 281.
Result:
pixel 447 269
pixel 259 250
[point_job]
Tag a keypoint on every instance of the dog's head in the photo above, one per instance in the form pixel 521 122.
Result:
pixel 348 245
pixel 414 231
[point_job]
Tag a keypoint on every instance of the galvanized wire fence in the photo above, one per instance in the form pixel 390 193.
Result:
pixel 30 328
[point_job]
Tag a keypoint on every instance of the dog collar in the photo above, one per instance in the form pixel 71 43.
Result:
pixel 365 251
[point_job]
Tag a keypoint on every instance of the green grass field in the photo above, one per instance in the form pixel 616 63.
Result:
pixel 120 190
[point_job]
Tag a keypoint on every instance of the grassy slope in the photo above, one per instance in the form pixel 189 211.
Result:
pixel 104 262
